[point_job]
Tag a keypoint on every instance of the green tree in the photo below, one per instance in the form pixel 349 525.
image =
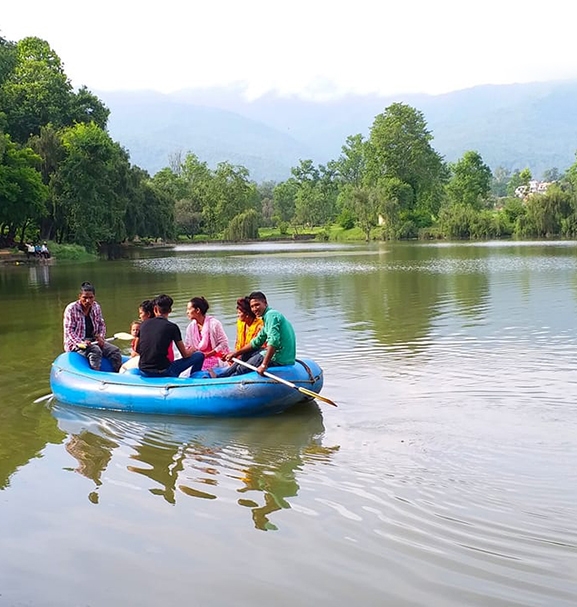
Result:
pixel 365 203
pixel 36 92
pixel 8 58
pixel 525 176
pixel 350 167
pixel 519 179
pixel 92 184
pixel 514 182
pixel 265 191
pixel 160 209
pixel 87 107
pixel 545 213
pixel 307 196
pixel 316 194
pixel 470 181
pixel 188 219
pixel 399 146
pixel 149 210
pixel 284 195
pixel 48 145
pixel 551 175
pixel 499 182
pixel 395 208
pixel 22 193
pixel 230 193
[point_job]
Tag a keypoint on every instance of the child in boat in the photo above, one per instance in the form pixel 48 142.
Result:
pixel 132 362
pixel 135 332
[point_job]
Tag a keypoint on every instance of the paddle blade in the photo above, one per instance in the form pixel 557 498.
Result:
pixel 43 398
pixel 315 395
pixel 123 335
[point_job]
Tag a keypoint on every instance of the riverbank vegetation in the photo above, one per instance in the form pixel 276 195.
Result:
pixel 63 179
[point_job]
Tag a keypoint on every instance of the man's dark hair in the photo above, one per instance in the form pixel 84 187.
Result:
pixel 87 287
pixel 164 303
pixel 257 295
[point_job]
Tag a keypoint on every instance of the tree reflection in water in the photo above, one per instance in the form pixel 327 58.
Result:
pixel 203 458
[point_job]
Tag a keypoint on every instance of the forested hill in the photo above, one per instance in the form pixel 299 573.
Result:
pixel 514 126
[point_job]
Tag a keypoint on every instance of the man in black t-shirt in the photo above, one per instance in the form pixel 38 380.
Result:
pixel 156 335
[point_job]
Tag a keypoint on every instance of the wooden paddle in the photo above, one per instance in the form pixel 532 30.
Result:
pixel 286 383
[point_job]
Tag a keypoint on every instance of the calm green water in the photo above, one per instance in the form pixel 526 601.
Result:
pixel 447 476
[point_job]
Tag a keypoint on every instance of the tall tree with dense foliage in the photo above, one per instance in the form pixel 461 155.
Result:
pixel 36 92
pixel 230 193
pixel 284 195
pixel 470 182
pixel 92 186
pixel 8 58
pixel 85 106
pixel 350 166
pixel 501 176
pixel 315 193
pixel 22 193
pixel 48 145
pixel 400 147
pixel 265 191
pixel 366 203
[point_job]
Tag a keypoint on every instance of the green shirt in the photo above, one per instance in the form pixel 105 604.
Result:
pixel 279 333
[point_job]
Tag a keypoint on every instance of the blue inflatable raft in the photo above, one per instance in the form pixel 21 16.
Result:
pixel 73 382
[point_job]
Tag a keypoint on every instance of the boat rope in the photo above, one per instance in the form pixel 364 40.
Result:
pixel 307 369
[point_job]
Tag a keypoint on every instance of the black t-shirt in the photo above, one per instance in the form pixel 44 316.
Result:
pixel 88 327
pixel 156 334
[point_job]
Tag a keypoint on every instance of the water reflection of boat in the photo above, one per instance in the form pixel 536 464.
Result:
pixel 198 458
pixel 73 382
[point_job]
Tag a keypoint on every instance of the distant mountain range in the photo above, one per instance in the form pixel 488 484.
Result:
pixel 514 126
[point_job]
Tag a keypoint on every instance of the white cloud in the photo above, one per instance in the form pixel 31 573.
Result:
pixel 314 47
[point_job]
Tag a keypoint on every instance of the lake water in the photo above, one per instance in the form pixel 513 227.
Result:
pixel 447 475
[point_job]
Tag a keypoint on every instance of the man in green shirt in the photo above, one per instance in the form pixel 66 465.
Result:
pixel 277 336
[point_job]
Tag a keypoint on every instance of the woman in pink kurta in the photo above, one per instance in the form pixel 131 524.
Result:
pixel 205 333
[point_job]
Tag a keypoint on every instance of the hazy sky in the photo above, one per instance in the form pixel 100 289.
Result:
pixel 310 47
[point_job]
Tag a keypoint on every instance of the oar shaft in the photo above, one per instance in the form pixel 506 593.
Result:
pixel 275 377
pixel 285 382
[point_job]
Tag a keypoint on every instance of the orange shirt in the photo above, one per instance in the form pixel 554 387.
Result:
pixel 245 333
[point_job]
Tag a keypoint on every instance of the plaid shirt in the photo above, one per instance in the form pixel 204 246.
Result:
pixel 75 326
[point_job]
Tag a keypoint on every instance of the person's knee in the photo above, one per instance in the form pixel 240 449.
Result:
pixel 198 360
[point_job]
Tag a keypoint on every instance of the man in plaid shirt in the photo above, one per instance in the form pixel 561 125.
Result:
pixel 85 330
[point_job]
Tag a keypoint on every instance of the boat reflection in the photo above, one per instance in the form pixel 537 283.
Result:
pixel 258 458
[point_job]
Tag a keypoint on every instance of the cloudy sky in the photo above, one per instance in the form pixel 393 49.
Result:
pixel 315 48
